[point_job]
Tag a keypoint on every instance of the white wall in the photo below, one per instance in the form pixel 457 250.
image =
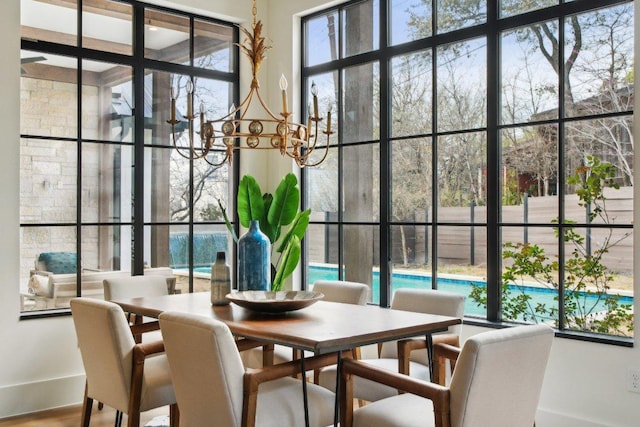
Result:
pixel 41 368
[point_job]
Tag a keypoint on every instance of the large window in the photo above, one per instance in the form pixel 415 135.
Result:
pixel 103 191
pixel 483 148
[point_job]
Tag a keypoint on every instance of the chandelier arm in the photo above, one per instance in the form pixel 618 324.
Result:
pixel 264 105
pixel 226 157
pixel 237 131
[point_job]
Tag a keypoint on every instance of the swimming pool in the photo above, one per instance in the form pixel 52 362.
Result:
pixel 458 285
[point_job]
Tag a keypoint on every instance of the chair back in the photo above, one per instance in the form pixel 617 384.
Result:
pixel 106 346
pixel 119 288
pixel 206 369
pixel 498 377
pixel 424 301
pixel 342 291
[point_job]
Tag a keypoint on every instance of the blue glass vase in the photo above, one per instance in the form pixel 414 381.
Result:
pixel 254 260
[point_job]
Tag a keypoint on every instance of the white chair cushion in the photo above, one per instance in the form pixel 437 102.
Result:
pixel 406 410
pixel 280 404
pixel 157 388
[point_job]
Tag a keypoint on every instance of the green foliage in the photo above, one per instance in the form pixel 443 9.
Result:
pixel 273 212
pixel 584 274
pixel 210 213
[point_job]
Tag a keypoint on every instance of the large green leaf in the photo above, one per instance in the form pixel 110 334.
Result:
pixel 227 222
pixel 298 228
pixel 290 258
pixel 250 202
pixel 285 202
pixel 267 228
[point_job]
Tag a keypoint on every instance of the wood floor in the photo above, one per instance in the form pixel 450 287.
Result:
pixel 70 417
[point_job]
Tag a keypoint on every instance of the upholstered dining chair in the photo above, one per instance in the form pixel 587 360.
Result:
pixel 496 382
pixel 333 290
pixel 129 377
pixel 134 286
pixel 120 288
pixel 413 357
pixel 213 387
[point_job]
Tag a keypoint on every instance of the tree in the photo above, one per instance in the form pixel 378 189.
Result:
pixel 584 273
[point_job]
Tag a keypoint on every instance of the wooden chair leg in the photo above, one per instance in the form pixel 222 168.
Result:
pixel 86 408
pixel 174 415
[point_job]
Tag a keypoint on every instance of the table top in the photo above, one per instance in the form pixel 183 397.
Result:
pixel 322 327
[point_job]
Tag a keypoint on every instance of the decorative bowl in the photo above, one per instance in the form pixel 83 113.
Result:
pixel 274 302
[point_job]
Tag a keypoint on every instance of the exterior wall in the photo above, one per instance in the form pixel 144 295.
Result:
pixel 48 170
pixel 585 383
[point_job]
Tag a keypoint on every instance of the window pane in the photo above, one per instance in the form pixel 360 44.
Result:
pixel 43 251
pixel 609 140
pixel 529 274
pixel 114 15
pixel 461 175
pixel 462 85
pixel 530 174
pixel 411 172
pixel 361 31
pixel 412 89
pixel 361 184
pixel 462 257
pixel 361 103
pixel 48 180
pixel 35 17
pixel 456 14
pixel 104 248
pixel 166 37
pixel 157 103
pixel 360 258
pixel 600 61
pixel 529 80
pixel 168 199
pixel 322 187
pixel 326 86
pixel 409 20
pixel 321 39
pixel 516 7
pixel 211 185
pixel 107 102
pixel 107 182
pixel 322 249
pixel 49 96
pixel 598 281
pixel 213 46
pixel 174 248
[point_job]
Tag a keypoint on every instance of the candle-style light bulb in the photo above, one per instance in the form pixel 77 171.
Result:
pixel 189 99
pixel 202 120
pixel 314 92
pixel 173 104
pixel 232 109
pixel 283 87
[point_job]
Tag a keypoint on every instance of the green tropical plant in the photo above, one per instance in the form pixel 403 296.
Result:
pixel 274 212
pixel 584 273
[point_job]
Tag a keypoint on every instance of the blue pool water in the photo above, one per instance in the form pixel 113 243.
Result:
pixel 457 285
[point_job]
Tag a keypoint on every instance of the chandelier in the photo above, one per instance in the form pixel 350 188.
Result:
pixel 236 131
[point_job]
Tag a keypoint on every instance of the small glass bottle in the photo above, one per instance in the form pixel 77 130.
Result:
pixel 220 280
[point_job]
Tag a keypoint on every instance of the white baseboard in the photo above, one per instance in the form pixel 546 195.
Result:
pixel 38 396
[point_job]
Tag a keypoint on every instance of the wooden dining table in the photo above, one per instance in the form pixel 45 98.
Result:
pixel 323 327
